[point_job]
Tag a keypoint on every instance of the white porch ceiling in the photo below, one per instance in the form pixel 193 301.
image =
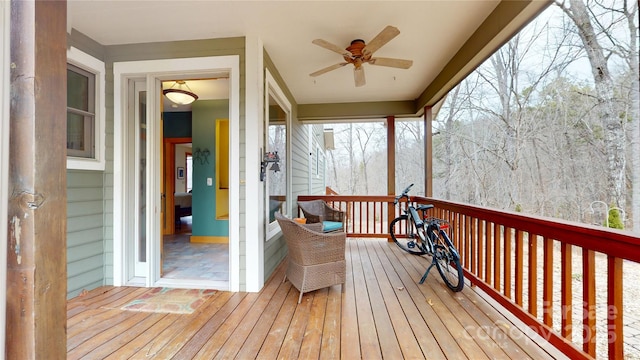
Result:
pixel 431 32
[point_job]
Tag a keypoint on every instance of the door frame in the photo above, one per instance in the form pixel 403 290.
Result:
pixel 170 181
pixel 154 71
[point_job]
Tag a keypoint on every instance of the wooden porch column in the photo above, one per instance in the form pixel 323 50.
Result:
pixel 36 261
pixel 428 152
pixel 391 164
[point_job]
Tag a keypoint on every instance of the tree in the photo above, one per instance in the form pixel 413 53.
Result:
pixel 613 126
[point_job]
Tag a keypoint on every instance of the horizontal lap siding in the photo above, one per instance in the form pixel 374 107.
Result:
pixel 85 231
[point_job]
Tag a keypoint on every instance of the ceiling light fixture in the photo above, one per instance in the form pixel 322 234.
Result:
pixel 181 94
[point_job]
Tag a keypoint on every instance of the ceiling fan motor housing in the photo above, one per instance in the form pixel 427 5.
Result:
pixel 355 49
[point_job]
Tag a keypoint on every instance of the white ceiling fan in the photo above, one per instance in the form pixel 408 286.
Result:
pixel 359 53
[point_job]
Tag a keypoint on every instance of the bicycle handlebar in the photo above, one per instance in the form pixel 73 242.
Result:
pixel 404 194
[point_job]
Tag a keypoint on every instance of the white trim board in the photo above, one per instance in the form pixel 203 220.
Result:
pixel 165 69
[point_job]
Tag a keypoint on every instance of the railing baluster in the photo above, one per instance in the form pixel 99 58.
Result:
pixel 507 262
pixel 360 222
pixel 488 260
pixel 614 307
pixel 467 242
pixel 589 301
pixel 519 266
pixel 566 294
pixel 547 291
pixel 474 247
pixel 481 249
pixel 533 274
pixel 497 240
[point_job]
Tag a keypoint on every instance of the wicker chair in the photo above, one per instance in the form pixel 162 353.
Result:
pixel 318 211
pixel 316 260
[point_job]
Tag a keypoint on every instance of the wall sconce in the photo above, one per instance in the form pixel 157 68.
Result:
pixel 269 157
pixel 201 156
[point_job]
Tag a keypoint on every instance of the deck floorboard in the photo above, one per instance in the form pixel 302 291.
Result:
pixel 380 312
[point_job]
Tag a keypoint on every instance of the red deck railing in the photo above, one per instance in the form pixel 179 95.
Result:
pixel 563 279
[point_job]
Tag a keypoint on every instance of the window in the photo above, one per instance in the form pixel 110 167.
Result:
pixel 85 111
pixel 277 140
pixel 81 116
pixel 319 168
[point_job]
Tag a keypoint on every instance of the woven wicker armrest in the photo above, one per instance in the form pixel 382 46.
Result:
pixel 312 218
pixel 332 214
pixel 314 226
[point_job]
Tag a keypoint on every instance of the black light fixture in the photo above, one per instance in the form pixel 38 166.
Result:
pixel 269 157
pixel 180 93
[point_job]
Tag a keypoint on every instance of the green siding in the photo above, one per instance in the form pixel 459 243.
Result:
pixel 85 231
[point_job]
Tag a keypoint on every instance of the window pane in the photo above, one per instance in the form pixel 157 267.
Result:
pixel 75 132
pixel 77 91
pixel 277 175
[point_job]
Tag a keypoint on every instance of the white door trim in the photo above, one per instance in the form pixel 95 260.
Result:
pixel 153 70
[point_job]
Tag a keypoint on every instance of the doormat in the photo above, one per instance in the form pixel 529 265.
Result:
pixel 168 300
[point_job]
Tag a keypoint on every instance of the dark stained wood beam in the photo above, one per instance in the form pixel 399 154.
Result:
pixel 36 261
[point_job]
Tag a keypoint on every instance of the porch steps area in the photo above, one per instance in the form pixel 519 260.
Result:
pixel 381 312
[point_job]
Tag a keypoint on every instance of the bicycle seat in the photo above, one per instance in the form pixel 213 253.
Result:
pixel 424 207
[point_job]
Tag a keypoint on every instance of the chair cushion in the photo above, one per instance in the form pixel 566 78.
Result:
pixel 328 226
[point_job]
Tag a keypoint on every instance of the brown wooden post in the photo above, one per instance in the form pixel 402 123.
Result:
pixel 428 152
pixel 36 261
pixel 615 325
pixel 391 165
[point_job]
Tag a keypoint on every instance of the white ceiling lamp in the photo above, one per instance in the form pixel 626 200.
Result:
pixel 180 93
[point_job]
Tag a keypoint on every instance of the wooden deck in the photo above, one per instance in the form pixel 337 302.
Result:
pixel 382 312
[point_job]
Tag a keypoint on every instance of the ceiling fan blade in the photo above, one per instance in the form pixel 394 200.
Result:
pixel 358 76
pixel 382 38
pixel 396 63
pixel 327 45
pixel 327 69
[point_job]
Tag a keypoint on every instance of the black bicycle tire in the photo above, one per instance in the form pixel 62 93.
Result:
pixel 454 262
pixel 417 250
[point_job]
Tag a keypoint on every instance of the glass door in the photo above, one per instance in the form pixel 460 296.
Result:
pixel 140 164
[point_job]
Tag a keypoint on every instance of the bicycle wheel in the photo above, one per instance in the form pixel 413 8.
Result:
pixel 404 233
pixel 448 261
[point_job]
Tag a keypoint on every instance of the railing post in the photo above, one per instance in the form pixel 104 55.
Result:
pixel 428 147
pixel 391 165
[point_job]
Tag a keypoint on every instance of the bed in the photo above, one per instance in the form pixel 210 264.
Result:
pixel 182 203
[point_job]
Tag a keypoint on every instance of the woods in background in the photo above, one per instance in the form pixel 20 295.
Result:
pixel 548 125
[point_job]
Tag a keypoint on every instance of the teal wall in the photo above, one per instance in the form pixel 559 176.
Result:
pixel 177 124
pixel 204 115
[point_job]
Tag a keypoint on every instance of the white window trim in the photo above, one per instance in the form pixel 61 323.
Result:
pixel 272 88
pixel 89 63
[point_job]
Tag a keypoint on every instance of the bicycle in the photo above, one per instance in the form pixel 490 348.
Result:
pixel 424 235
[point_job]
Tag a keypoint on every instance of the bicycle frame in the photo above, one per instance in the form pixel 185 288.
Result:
pixel 432 239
